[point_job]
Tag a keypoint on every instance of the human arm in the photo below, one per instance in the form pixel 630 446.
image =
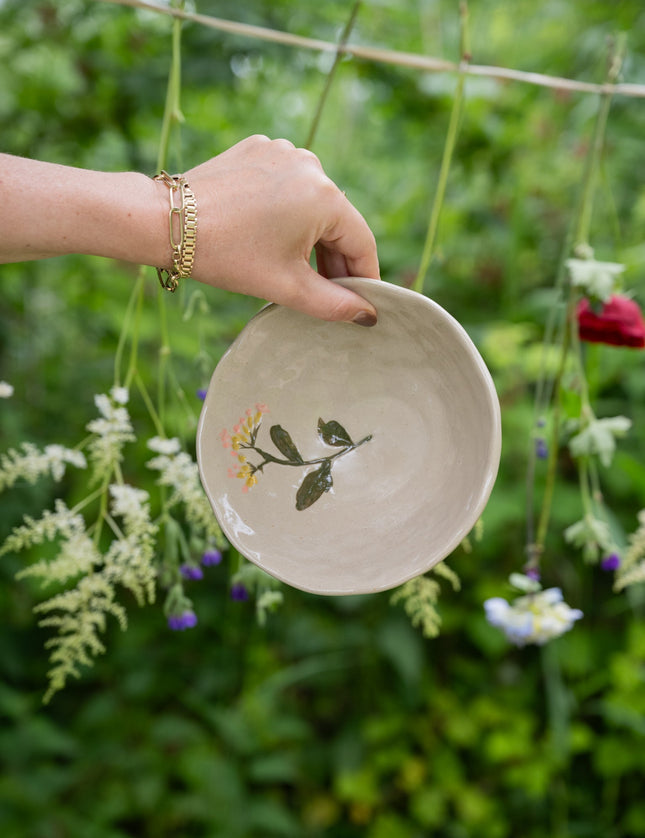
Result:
pixel 262 207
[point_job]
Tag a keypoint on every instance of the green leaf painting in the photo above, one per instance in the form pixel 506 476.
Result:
pixel 315 482
pixel 283 442
pixel 333 433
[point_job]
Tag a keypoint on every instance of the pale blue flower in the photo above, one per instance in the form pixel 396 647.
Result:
pixel 534 618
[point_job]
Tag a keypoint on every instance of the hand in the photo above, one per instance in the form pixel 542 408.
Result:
pixel 262 207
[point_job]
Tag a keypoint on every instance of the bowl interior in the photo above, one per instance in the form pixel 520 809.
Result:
pixel 394 431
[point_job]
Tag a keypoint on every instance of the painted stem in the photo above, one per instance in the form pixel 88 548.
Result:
pixel 269 458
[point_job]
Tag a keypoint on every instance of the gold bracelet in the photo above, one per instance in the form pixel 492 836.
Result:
pixel 183 251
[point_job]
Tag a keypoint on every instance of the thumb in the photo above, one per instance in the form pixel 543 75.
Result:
pixel 319 297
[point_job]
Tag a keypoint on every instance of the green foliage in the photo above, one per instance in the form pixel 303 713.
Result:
pixel 419 598
pixel 337 718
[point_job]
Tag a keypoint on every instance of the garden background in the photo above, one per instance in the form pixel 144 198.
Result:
pixel 337 717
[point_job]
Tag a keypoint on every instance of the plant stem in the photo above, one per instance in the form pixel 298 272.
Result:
pixel 448 150
pixel 172 115
pixel 570 340
pixel 172 111
pixel 332 72
pixel 150 406
pixel 136 323
pixel 597 145
pixel 125 330
pixel 536 549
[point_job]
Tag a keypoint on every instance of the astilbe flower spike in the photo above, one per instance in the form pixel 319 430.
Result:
pixel 619 322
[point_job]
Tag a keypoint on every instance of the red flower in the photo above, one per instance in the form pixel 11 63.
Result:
pixel 618 323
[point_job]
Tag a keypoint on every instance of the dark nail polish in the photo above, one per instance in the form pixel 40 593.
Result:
pixel 365 318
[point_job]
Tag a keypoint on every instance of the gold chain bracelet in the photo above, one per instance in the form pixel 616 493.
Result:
pixel 183 250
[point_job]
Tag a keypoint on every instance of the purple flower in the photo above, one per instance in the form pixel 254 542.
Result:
pixel 610 562
pixel 541 449
pixel 191 571
pixel 211 557
pixel 239 592
pixel 180 622
pixel 533 573
pixel 201 393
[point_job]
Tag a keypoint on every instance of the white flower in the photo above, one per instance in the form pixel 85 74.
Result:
pixel 164 446
pixel 535 618
pixel 113 419
pixel 111 431
pixel 597 279
pixel 58 456
pixel 599 437
pixel 31 463
pixel 62 522
pixel 120 395
pixel 128 502
pixel 130 559
pixel 6 390
pixel 180 472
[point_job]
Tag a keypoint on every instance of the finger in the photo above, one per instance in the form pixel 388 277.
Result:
pixel 330 263
pixel 350 236
pixel 312 294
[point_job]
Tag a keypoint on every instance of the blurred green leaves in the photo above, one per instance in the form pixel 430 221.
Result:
pixel 337 719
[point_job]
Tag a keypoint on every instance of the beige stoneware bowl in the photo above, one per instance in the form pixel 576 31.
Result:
pixel 347 460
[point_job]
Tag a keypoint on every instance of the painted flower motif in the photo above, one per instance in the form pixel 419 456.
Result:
pixel 243 437
pixel 534 618
pixel 190 571
pixel 211 557
pixel 315 482
pixel 180 622
pixel 619 322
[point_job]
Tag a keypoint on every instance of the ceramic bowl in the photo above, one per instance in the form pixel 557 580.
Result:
pixel 347 460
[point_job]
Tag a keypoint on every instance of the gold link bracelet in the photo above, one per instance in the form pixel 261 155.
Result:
pixel 183 251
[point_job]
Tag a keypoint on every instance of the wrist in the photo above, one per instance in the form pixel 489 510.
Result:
pixel 182 230
pixel 132 218
pixel 116 215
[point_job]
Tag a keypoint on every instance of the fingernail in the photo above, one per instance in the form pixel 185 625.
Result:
pixel 365 318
